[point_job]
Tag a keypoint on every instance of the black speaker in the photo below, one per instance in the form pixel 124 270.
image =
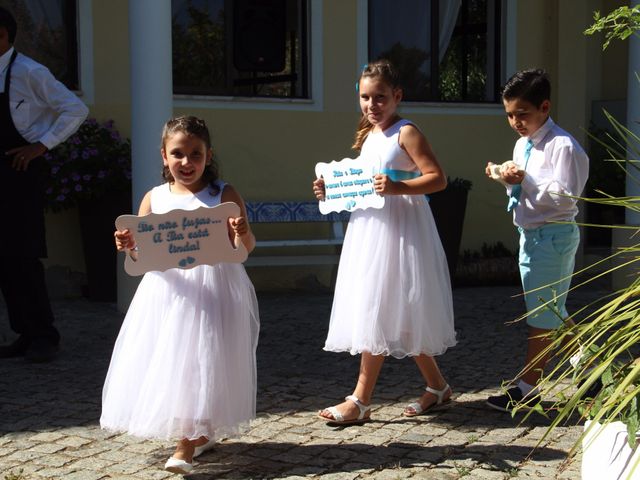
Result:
pixel 259 35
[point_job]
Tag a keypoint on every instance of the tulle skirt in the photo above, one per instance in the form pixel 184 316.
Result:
pixel 184 363
pixel 393 292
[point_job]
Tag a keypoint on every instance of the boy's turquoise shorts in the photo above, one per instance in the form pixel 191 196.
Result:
pixel 547 257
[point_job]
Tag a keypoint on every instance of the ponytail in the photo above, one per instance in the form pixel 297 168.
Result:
pixel 364 127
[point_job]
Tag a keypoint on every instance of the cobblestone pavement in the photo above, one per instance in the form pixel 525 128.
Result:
pixel 49 413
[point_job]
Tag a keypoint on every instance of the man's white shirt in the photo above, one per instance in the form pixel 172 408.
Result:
pixel 42 108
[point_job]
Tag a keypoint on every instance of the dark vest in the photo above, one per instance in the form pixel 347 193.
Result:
pixel 22 193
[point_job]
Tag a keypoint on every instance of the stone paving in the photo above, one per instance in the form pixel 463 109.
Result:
pixel 49 413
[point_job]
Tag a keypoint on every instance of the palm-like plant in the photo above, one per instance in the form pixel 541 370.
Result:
pixel 597 369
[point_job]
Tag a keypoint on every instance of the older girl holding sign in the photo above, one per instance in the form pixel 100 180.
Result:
pixel 184 364
pixel 393 293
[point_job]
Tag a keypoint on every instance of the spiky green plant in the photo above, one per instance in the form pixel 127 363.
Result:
pixel 602 349
pixel 603 346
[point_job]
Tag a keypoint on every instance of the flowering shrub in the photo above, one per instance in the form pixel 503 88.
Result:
pixel 93 161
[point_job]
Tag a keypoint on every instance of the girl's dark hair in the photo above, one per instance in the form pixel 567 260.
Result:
pixel 531 85
pixel 9 22
pixel 382 70
pixel 190 126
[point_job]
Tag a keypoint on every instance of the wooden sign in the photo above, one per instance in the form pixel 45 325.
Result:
pixel 182 239
pixel 349 185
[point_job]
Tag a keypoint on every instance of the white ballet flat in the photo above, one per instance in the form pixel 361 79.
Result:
pixel 203 448
pixel 417 408
pixel 175 465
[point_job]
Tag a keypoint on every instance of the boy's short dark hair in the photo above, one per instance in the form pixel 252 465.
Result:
pixel 7 21
pixel 531 85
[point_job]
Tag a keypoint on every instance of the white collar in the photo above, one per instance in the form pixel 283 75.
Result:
pixel 539 134
pixel 4 60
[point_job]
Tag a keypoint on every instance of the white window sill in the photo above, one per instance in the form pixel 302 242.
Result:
pixel 244 103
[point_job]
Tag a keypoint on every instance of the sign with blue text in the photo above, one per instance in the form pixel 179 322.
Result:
pixel 349 185
pixel 182 239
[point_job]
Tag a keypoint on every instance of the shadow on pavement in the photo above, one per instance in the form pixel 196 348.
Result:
pixel 235 461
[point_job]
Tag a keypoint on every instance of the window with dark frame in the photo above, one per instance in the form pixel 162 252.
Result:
pixel 47 32
pixel 464 35
pixel 249 48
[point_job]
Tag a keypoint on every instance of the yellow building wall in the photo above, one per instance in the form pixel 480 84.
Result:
pixel 270 154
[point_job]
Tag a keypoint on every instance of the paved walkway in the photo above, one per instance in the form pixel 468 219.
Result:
pixel 49 413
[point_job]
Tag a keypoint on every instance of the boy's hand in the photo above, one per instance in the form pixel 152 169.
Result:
pixel 488 168
pixel 239 226
pixel 511 174
pixel 124 240
pixel 318 188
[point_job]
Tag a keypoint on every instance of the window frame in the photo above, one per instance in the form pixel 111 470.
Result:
pixel 235 78
pixel 508 65
pixel 69 12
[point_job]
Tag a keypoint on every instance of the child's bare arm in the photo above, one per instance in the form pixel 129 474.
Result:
pixel 239 226
pixel 432 178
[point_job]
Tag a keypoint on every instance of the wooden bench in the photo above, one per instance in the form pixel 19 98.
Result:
pixel 294 212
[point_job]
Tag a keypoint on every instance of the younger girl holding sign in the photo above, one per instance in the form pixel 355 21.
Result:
pixel 393 294
pixel 184 363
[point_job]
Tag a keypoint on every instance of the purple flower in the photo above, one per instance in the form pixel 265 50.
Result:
pixel 75 140
pixel 85 154
pixel 64 180
pixel 60 198
pixel 49 190
pixel 86 177
pixel 54 170
pixel 74 154
pixel 93 151
pixel 75 177
pixel 78 188
pixel 102 174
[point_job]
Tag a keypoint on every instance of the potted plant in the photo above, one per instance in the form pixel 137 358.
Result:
pixel 597 371
pixel 448 207
pixel 92 171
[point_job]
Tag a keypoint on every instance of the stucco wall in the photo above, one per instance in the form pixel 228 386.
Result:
pixel 269 153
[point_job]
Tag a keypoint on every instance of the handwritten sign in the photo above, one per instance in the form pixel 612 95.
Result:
pixel 182 239
pixel 348 185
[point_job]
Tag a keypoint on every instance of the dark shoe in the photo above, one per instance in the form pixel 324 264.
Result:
pixel 592 391
pixel 511 399
pixel 41 351
pixel 16 349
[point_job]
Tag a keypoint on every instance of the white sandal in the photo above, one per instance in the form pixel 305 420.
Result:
pixel 203 448
pixel 441 401
pixel 338 418
pixel 175 465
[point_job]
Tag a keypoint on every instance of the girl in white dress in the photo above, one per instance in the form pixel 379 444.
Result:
pixel 393 293
pixel 184 364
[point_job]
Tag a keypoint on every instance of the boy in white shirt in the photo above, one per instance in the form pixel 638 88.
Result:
pixel 549 168
pixel 37 112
